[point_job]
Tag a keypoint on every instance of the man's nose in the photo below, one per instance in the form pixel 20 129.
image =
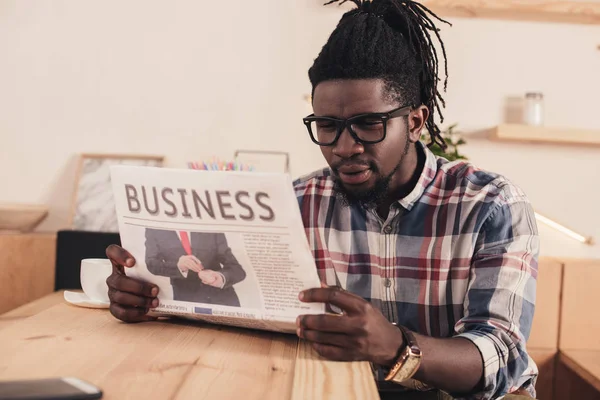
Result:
pixel 347 146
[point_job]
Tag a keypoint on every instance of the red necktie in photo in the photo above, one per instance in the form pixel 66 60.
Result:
pixel 185 241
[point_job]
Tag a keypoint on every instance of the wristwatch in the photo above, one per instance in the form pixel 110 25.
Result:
pixel 408 361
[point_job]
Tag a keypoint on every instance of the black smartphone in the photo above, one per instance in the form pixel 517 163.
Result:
pixel 49 389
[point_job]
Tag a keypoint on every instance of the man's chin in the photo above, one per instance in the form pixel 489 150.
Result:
pixel 363 195
pixel 358 190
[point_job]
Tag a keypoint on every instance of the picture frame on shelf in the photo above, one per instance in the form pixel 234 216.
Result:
pixel 93 205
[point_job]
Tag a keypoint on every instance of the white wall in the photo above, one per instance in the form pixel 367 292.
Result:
pixel 192 79
pixel 493 60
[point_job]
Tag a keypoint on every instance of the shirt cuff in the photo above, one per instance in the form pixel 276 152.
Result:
pixel 185 274
pixel 224 280
pixel 493 352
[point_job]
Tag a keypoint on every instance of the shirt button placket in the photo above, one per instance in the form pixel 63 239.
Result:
pixel 387 282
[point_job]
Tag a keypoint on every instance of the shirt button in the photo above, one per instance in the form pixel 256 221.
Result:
pixel 387 282
pixel 388 229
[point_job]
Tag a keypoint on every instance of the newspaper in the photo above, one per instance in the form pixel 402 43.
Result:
pixel 225 247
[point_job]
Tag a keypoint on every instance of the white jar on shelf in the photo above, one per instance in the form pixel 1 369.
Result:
pixel 533 114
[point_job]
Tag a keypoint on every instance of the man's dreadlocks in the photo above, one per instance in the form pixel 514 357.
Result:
pixel 390 40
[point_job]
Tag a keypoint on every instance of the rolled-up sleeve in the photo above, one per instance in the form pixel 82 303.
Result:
pixel 500 300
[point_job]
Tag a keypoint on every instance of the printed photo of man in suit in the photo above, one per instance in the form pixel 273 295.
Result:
pixel 201 265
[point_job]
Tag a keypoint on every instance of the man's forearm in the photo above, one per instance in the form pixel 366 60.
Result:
pixel 453 364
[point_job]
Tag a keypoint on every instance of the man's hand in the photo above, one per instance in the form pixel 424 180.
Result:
pixel 130 299
pixel 189 263
pixel 361 333
pixel 211 278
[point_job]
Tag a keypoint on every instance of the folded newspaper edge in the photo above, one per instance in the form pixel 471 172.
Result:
pixel 224 247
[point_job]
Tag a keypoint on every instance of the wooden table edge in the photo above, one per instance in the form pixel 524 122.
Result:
pixel 34 307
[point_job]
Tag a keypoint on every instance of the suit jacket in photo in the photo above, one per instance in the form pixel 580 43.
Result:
pixel 163 250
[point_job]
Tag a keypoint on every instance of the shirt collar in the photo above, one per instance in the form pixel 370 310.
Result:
pixel 427 176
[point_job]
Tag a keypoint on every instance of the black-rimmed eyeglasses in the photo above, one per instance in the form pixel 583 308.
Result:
pixel 368 128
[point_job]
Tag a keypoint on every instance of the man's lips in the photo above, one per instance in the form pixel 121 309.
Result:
pixel 354 174
pixel 352 169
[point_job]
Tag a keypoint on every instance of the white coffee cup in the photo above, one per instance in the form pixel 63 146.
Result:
pixel 94 272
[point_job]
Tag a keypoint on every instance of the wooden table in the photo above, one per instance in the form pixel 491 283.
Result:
pixel 169 360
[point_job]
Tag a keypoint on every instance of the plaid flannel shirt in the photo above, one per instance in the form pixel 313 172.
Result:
pixel 457 257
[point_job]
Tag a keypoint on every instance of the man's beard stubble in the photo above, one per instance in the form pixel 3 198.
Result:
pixel 370 198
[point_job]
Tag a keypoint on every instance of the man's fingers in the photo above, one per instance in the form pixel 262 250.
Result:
pixel 119 257
pixel 195 267
pixel 199 267
pixel 207 274
pixel 334 339
pixel 335 296
pixel 188 264
pixel 197 264
pixel 333 352
pixel 327 323
pixel 196 260
pixel 203 277
pixel 131 300
pixel 130 314
pixel 191 263
pixel 206 277
pixel 123 283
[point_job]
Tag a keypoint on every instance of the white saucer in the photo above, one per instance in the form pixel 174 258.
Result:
pixel 81 300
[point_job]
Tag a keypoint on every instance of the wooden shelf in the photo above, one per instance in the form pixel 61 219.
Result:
pixel 534 134
pixel 577 12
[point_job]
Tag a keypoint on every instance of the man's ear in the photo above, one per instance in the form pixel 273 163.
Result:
pixel 416 122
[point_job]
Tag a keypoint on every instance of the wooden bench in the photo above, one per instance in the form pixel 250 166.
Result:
pixel 578 367
pixel 578 375
pixel 543 340
pixel 27 267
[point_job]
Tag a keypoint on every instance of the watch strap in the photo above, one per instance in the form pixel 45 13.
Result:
pixel 410 340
